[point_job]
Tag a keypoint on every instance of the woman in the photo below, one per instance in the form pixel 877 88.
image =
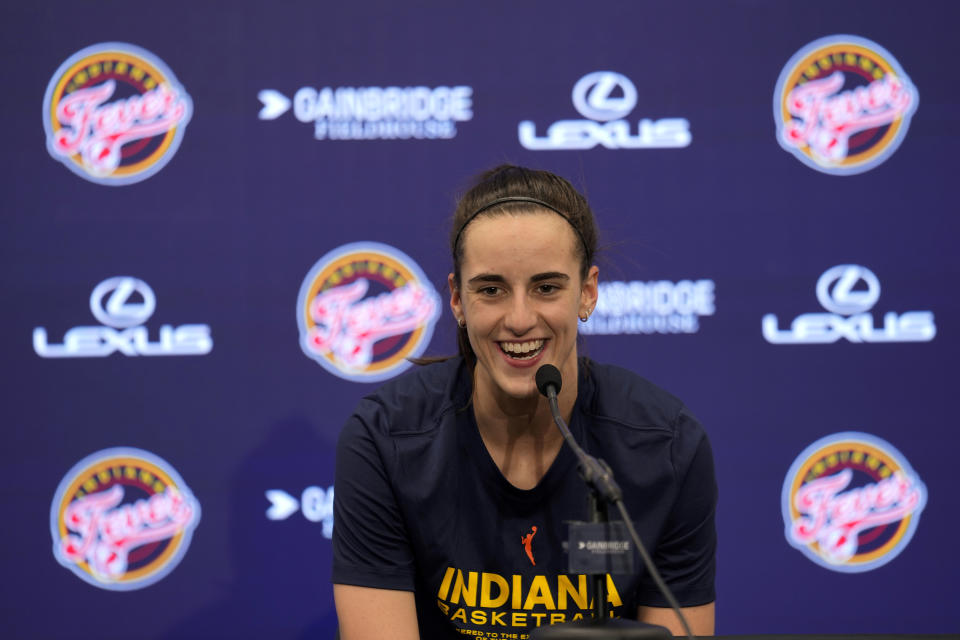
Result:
pixel 454 486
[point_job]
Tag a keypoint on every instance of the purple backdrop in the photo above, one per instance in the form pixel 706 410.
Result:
pixel 180 182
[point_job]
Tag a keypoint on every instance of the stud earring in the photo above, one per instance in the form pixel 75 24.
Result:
pixel 461 323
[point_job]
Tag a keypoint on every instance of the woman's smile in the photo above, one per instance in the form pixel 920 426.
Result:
pixel 523 354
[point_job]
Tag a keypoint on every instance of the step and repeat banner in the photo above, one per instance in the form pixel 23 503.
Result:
pixel 225 222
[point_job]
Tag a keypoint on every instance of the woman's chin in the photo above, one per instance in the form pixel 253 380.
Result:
pixel 512 386
pixel 521 390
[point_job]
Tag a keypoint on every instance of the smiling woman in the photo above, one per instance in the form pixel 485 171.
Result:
pixel 454 487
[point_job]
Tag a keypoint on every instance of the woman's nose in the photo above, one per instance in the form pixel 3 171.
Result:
pixel 521 316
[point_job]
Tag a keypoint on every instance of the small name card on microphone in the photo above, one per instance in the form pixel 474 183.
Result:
pixel 600 547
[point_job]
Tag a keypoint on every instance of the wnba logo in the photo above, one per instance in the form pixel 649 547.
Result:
pixel 843 105
pixel 851 502
pixel 114 114
pixel 122 519
pixel 365 308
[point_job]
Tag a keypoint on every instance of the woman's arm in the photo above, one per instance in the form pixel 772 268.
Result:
pixel 699 618
pixel 370 544
pixel 686 554
pixel 375 614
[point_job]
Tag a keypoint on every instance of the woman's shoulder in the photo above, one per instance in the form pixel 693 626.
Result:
pixel 618 394
pixel 416 401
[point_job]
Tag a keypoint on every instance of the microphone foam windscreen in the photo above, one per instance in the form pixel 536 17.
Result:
pixel 548 375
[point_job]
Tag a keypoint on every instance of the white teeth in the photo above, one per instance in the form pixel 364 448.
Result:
pixel 522 349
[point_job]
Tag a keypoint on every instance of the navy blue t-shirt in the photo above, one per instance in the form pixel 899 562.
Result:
pixel 421 506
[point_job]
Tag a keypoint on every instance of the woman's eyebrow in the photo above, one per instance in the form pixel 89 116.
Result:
pixel 487 277
pixel 549 275
pixel 540 277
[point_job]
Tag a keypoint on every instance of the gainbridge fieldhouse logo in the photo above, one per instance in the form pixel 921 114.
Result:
pixel 843 105
pixel 851 502
pixel 365 308
pixel 114 114
pixel 122 519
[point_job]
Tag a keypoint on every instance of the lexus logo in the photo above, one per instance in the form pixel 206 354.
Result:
pixel 848 292
pixel 593 96
pixel 605 99
pixel 113 302
pixel 839 289
pixel 123 305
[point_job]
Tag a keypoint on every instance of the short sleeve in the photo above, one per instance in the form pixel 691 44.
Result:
pixel 685 554
pixel 370 543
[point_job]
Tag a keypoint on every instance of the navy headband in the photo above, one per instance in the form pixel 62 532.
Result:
pixel 493 203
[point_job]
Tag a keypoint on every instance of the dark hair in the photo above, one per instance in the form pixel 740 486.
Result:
pixel 508 181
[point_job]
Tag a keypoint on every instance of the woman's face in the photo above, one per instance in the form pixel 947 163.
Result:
pixel 520 295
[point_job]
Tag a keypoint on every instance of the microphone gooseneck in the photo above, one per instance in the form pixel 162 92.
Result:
pixel 595 473
pixel 599 478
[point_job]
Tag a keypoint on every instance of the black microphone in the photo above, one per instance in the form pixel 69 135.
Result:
pixel 549 376
pixel 599 478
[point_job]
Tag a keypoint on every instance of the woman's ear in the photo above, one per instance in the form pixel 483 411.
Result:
pixel 456 303
pixel 589 291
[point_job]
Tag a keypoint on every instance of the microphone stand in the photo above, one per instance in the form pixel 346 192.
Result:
pixel 603 490
pixel 598 513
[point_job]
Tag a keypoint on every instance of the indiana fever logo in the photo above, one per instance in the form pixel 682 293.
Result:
pixel 114 114
pixel 851 502
pixel 122 519
pixel 364 309
pixel 843 105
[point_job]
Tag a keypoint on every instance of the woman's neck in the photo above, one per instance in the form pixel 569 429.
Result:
pixel 519 433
